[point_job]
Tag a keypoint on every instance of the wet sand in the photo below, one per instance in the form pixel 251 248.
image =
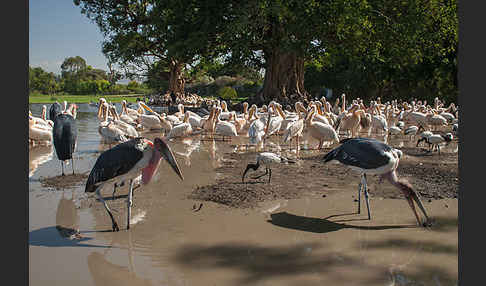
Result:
pixel 303 231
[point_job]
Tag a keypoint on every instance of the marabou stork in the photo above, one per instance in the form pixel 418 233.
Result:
pixel 125 161
pixel 64 135
pixel 370 156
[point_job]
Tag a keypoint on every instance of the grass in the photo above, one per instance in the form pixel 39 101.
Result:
pixel 42 98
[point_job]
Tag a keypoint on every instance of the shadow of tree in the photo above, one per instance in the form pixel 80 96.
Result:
pixel 427 275
pixel 318 225
pixel 427 246
pixel 107 273
pixel 445 224
pixel 260 263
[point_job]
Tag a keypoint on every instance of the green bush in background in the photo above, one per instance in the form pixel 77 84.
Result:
pixel 227 93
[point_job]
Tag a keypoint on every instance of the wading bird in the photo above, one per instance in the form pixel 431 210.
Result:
pixel 268 159
pixel 64 136
pixel 370 156
pixel 125 161
pixel 436 139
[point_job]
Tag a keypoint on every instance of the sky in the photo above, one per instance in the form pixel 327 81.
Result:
pixel 58 30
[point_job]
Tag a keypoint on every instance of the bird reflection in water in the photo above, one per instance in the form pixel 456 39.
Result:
pixel 39 156
pixel 67 217
pixel 104 272
pixel 189 146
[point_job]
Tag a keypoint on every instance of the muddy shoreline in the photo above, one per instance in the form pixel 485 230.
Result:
pixel 433 176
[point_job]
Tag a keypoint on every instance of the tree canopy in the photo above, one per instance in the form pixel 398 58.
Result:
pixel 362 47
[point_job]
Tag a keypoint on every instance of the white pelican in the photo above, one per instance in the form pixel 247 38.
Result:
pixel 436 120
pixel 224 114
pixel 256 131
pixel 295 128
pixel 108 129
pixel 321 131
pixel 224 128
pixel 39 133
pixel 183 129
pixel 349 121
pixel 129 130
pixel 378 121
pixel 275 122
pixel 153 121
pixel 128 115
pixel 286 118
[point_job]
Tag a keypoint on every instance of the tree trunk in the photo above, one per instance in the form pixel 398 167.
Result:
pixel 284 79
pixel 176 79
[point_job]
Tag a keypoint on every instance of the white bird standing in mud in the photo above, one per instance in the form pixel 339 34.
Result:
pixel 321 131
pixel 154 121
pixel 256 131
pixel 224 128
pixel 109 131
pixel 182 130
pixel 295 128
pixel 436 139
pixel 268 159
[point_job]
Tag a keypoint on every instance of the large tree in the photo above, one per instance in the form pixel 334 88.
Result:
pixel 280 36
pixel 141 34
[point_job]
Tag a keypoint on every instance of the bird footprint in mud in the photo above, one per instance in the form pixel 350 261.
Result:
pixel 195 208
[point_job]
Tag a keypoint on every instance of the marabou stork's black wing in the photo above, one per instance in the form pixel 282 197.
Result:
pixel 55 110
pixel 114 162
pixel 64 136
pixel 365 153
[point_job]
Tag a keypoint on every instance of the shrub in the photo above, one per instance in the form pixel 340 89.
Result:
pixel 227 93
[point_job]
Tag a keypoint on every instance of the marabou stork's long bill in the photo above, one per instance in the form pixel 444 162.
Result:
pixel 370 156
pixel 64 134
pixel 268 159
pixel 125 161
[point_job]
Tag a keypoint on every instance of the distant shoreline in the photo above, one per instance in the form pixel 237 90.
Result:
pixel 84 98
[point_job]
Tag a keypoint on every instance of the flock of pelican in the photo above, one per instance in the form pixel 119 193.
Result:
pixel 323 122
pixel 327 124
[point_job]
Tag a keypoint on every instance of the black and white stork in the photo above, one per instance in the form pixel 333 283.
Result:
pixel 125 161
pixel 64 135
pixel 268 159
pixel 370 156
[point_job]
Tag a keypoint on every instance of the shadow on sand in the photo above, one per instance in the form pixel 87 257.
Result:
pixel 319 225
pixel 55 236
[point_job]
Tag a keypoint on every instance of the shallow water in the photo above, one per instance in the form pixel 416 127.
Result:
pixel 308 241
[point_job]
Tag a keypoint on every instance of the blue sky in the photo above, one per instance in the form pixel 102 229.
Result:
pixel 58 30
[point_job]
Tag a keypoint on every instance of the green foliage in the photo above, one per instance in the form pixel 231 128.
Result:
pixel 227 93
pixel 365 48
pixel 43 82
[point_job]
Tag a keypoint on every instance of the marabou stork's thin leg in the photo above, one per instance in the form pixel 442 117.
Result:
pixel 129 203
pixel 62 168
pixel 114 191
pixel 114 224
pixel 359 194
pixel 269 175
pixel 366 196
pixel 72 163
